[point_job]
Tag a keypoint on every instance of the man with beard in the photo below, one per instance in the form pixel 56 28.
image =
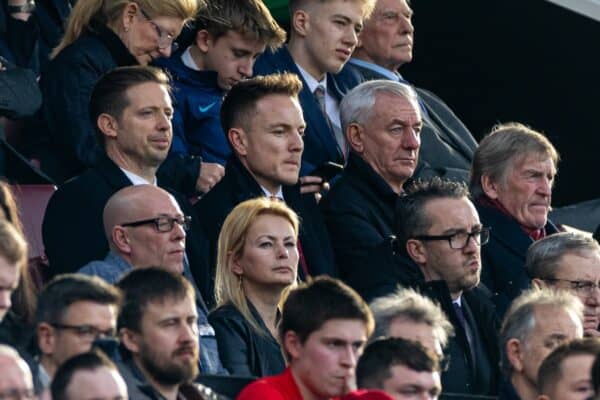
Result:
pixel 159 336
pixel 439 229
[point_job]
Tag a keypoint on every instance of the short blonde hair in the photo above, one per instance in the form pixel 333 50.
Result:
pixel 231 244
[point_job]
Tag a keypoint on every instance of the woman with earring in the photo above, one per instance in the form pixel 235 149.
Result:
pixel 256 266
pixel 100 36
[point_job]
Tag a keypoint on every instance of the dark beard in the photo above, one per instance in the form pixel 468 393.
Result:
pixel 168 373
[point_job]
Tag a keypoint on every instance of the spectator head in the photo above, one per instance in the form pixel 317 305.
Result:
pixel 230 35
pixel 566 373
pixel 263 121
pixel 146 27
pixel 15 380
pixel 158 325
pixel 131 109
pixel 538 321
pixel 515 166
pixel 257 249
pixel 324 33
pixel 403 368
pixel 331 337
pixel 409 315
pixel 13 261
pixel 145 226
pixel 382 123
pixel 440 229
pixel 73 311
pixel 387 37
pixel 569 261
pixel 88 376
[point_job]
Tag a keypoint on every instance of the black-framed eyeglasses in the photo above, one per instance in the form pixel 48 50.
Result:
pixel 163 223
pixel 17 394
pixel 460 240
pixel 585 288
pixel 86 331
pixel 165 39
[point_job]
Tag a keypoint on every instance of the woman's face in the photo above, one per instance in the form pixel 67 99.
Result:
pixel 149 38
pixel 270 254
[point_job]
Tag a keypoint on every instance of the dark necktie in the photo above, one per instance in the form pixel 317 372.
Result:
pixel 468 332
pixel 338 135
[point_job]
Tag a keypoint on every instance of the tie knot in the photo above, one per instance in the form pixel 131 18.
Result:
pixel 319 91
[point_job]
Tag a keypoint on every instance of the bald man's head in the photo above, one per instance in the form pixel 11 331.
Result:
pixel 145 226
pixel 16 376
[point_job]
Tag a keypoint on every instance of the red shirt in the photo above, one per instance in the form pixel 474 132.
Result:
pixel 278 387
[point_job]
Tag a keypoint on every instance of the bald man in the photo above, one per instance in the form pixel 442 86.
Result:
pixel 15 380
pixel 145 228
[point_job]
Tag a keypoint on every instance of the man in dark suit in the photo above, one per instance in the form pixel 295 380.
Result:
pixel 382 122
pixel 323 35
pixel 511 184
pixel 439 229
pixel 132 109
pixel 263 122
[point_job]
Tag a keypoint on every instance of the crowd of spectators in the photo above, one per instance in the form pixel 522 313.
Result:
pixel 241 216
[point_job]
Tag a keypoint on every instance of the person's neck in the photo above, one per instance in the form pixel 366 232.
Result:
pixel 146 172
pixel 169 392
pixel 272 187
pixel 362 55
pixel 265 300
pixel 301 57
pixel 198 57
pixel 49 365
pixel 524 388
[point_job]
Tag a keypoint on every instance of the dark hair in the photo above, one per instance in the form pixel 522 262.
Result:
pixel 89 361
pixel 410 218
pixel 250 18
pixel 550 370
pixel 149 285
pixel 240 101
pixel 381 355
pixel 312 304
pixel 110 92
pixel 66 289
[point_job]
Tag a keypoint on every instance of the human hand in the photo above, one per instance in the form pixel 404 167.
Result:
pixel 313 184
pixel 210 175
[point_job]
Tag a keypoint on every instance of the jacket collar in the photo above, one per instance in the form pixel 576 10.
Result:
pixel 113 43
pixel 358 167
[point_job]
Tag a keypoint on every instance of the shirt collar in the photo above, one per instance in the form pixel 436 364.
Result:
pixel 136 179
pixel 391 75
pixel 278 195
pixel 311 82
pixel 458 301
pixel 188 60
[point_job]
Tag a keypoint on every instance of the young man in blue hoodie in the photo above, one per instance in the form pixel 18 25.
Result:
pixel 230 35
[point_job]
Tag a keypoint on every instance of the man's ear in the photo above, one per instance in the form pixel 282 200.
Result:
pixel 355 136
pixel 239 141
pixel 130 340
pixel 300 23
pixel 203 40
pixel 108 125
pixel 514 353
pixel 538 283
pixel 46 338
pixel 292 345
pixel 490 188
pixel 416 251
pixel 120 239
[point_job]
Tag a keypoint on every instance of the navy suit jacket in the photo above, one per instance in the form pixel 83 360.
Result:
pixel 320 145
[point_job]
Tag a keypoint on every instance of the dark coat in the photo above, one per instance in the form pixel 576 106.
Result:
pixel 73 232
pixel 359 214
pixel 237 186
pixel 320 145
pixel 479 311
pixel 244 351
pixel 503 257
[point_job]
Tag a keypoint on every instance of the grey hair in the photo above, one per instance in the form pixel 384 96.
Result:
pixel 357 104
pixel 408 304
pixel 543 257
pixel 519 320
pixel 506 143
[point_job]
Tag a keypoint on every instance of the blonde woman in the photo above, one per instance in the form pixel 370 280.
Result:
pixel 100 36
pixel 256 265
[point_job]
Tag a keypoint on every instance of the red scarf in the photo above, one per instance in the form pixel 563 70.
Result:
pixel 533 233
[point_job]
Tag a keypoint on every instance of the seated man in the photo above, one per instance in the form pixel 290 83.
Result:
pixel 88 376
pixel 439 229
pixel 264 126
pixel 382 121
pixel 322 344
pixel 73 311
pixel 145 227
pixel 228 37
pixel 403 368
pixel 409 315
pixel 323 34
pixel 511 183
pixel 537 322
pixel 570 261
pixel 158 329
pixel 566 373
pixel 15 380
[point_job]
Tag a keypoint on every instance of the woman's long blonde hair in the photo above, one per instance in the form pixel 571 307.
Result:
pixel 109 11
pixel 228 289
